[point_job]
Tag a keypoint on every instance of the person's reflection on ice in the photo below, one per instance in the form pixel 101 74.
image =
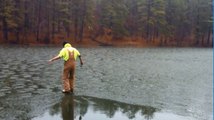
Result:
pixel 67 106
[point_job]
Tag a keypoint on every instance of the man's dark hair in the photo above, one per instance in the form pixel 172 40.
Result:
pixel 64 43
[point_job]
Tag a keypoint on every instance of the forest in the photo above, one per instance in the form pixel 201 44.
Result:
pixel 148 22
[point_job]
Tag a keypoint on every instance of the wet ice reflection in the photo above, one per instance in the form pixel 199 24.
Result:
pixel 81 107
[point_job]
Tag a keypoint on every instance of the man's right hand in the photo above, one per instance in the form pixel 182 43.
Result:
pixel 50 61
pixel 81 63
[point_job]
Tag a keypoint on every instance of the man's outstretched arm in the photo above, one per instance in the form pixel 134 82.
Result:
pixel 54 58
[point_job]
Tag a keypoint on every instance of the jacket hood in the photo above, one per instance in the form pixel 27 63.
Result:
pixel 67 45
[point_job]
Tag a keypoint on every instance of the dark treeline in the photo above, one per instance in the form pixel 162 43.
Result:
pixel 160 22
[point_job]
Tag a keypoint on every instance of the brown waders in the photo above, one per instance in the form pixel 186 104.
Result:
pixel 68 73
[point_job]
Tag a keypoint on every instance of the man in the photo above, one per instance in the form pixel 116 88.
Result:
pixel 69 55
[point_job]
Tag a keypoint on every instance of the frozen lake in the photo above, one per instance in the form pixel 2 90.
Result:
pixel 113 84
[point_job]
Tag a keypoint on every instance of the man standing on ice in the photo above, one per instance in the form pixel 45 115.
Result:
pixel 69 55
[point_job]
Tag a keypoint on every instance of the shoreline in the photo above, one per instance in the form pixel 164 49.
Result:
pixel 86 45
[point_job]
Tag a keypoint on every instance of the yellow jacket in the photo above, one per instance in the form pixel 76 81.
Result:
pixel 64 52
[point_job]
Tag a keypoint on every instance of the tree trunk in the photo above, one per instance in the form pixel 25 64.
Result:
pixel 75 28
pixel 197 29
pixel 5 29
pixel 148 19
pixel 38 21
pixel 209 34
pixel 17 35
pixel 26 20
pixel 68 31
pixel 202 39
pixel 18 28
pixel 53 19
pixel 81 30
pixel 82 21
pixel 47 39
